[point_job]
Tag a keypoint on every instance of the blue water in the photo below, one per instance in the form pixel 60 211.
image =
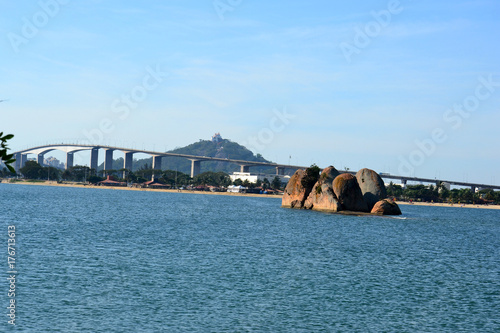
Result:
pixel 96 260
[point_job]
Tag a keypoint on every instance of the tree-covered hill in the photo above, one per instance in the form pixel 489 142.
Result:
pixel 223 148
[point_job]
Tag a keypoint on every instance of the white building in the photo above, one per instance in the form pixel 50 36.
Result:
pixel 236 189
pixel 253 178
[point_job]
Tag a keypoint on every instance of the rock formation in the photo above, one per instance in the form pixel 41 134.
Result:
pixel 322 196
pixel 386 207
pixel 372 186
pixel 295 192
pixel 334 192
pixel 347 191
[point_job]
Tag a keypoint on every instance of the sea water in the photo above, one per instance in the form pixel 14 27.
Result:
pixel 102 260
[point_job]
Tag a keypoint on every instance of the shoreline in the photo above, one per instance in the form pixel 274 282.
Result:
pixel 124 188
pixel 442 204
pixel 254 195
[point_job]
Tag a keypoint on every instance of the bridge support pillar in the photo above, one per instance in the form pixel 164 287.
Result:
pixel 195 168
pixel 17 164
pixel 473 189
pixel 156 166
pixel 39 159
pixel 404 181
pixel 280 171
pixel 24 158
pixel 94 158
pixel 108 160
pixel 127 163
pixel 69 160
pixel 245 168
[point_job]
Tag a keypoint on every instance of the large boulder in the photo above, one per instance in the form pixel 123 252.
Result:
pixel 328 175
pixel 348 193
pixel 322 196
pixel 372 186
pixel 386 207
pixel 298 188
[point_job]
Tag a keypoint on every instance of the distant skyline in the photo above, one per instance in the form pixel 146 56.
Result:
pixel 406 87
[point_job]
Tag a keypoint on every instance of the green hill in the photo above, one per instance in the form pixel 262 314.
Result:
pixel 222 148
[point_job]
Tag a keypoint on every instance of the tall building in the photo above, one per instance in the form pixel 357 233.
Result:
pixel 53 162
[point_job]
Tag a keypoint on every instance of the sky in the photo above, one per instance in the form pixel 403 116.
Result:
pixel 404 87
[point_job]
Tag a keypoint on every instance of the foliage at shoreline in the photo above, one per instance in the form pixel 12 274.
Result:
pixel 442 194
pixel 34 172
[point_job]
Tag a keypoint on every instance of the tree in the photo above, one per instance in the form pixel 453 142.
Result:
pixel 4 157
pixel 311 176
pixel 78 173
pixel 32 170
pixel 394 190
pixel 93 179
pixel 175 178
pixel 212 178
pixel 265 184
pixel 276 183
pixel 52 173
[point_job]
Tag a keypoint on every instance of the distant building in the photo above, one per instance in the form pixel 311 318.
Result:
pixel 446 185
pixel 253 178
pixel 53 162
pixel 236 189
pixel 216 138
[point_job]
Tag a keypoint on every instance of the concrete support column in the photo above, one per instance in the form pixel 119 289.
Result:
pixel 17 164
pixel 69 160
pixel 244 168
pixel 473 189
pixel 280 171
pixel 108 160
pixel 156 166
pixel 40 159
pixel 195 168
pixel 24 158
pixel 127 163
pixel 404 181
pixel 94 158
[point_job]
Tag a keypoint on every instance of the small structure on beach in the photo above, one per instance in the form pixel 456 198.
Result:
pixel 155 184
pixel 110 182
pixel 236 189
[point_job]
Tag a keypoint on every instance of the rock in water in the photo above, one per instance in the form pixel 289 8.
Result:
pixel 328 175
pixel 386 207
pixel 295 192
pixel 348 193
pixel 322 196
pixel 372 186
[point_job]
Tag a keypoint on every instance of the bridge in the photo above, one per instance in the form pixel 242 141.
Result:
pixel 70 149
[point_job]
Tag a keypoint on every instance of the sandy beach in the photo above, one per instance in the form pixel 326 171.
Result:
pixel 123 188
pixel 448 205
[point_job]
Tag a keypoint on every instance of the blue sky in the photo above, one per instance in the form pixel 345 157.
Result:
pixel 377 84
